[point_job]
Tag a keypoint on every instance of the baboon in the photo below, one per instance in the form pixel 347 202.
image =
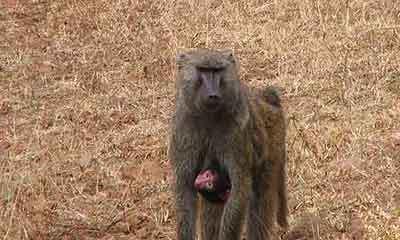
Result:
pixel 213 184
pixel 218 118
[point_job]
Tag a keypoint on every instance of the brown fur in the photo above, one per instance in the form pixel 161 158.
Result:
pixel 246 137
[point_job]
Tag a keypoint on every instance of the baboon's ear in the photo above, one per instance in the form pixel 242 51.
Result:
pixel 181 56
pixel 228 54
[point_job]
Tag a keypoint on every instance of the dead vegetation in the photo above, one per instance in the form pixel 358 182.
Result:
pixel 86 90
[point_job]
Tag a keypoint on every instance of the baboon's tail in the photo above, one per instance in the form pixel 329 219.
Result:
pixel 272 96
pixel 283 210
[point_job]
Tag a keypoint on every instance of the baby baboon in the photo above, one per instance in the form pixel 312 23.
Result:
pixel 213 184
pixel 218 118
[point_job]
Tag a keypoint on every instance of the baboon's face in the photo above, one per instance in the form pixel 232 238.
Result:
pixel 210 82
pixel 206 180
pixel 213 185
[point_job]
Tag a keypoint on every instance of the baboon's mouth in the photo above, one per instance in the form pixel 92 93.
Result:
pixel 213 106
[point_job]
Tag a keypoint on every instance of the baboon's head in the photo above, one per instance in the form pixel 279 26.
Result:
pixel 208 80
pixel 213 185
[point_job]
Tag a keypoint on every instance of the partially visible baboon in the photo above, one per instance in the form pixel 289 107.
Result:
pixel 218 118
pixel 213 183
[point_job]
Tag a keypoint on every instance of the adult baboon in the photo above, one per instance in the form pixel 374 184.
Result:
pixel 217 118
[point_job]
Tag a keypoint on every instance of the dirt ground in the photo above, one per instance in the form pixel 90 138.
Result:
pixel 86 94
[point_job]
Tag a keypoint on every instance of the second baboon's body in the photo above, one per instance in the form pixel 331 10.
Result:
pixel 243 131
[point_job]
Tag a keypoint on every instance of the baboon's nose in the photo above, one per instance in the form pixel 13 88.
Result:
pixel 213 99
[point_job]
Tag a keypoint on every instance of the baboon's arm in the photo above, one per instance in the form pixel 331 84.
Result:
pixel 181 154
pixel 185 210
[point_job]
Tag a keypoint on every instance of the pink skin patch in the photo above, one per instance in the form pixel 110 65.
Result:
pixel 206 180
pixel 209 180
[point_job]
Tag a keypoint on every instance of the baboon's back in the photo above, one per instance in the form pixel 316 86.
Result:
pixel 268 120
pixel 269 144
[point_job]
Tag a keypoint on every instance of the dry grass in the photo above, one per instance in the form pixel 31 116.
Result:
pixel 86 91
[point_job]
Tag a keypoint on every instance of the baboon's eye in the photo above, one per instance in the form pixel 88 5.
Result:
pixel 200 78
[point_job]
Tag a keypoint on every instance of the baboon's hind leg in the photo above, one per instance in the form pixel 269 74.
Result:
pixel 262 210
pixel 283 211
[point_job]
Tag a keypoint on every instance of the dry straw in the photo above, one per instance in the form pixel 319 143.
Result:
pixel 86 93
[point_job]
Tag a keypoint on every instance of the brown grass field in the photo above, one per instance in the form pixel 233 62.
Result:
pixel 86 94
